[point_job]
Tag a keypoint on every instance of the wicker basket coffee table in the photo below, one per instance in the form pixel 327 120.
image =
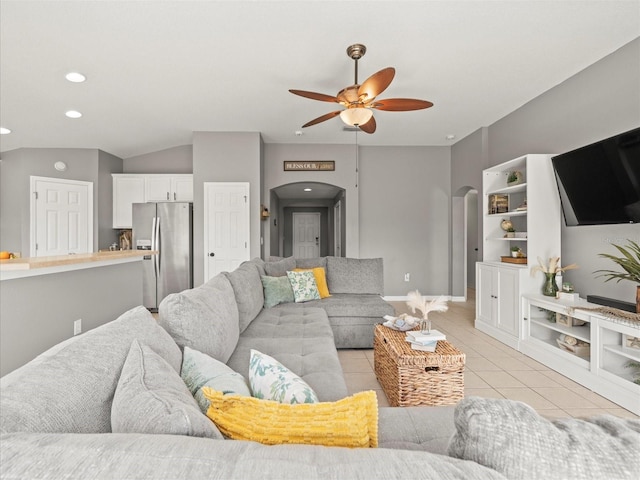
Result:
pixel 411 377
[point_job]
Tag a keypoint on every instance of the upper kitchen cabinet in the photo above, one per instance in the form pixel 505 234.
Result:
pixel 129 188
pixel 169 188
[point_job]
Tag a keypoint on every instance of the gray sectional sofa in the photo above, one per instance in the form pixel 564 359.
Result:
pixel 64 414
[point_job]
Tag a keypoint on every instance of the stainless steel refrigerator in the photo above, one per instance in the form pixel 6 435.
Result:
pixel 166 227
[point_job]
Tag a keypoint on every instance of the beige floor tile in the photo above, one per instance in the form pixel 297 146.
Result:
pixel 382 398
pixel 583 412
pixel 511 364
pixel 533 378
pixel 619 412
pixel 480 364
pixel 527 396
pixel 355 365
pixel 357 382
pixel 472 380
pixel 564 398
pixel 500 379
pixel 344 354
pixel 553 414
pixel 482 392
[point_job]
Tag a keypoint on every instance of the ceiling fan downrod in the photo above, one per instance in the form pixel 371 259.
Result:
pixel 356 52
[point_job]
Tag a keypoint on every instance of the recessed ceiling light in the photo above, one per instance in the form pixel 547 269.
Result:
pixel 299 133
pixel 4 131
pixel 75 77
pixel 451 136
pixel 73 114
pixel 307 189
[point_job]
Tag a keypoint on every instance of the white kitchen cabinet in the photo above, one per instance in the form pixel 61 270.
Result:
pixel 127 190
pixel 141 188
pixel 497 303
pixel 599 360
pixel 169 188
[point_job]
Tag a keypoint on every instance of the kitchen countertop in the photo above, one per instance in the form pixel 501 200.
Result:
pixel 23 267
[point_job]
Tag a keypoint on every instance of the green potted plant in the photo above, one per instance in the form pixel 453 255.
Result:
pixel 514 178
pixel 515 252
pixel 630 263
pixel 511 232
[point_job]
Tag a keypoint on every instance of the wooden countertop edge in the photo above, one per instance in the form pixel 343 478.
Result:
pixel 21 264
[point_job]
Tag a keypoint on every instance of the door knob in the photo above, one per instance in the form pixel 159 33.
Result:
pixel 212 254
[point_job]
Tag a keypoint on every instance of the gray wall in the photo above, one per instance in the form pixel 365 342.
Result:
pixel 225 157
pixel 404 215
pixel 16 168
pixel 171 160
pixel 38 312
pixel 596 103
pixel 344 177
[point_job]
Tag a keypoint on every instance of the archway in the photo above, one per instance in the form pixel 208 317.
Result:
pixel 465 248
pixel 307 197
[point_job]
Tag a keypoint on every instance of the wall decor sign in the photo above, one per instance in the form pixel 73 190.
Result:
pixel 313 166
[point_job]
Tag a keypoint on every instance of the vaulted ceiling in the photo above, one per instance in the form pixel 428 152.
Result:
pixel 159 70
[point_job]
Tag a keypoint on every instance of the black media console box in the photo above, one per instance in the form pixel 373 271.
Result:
pixel 610 302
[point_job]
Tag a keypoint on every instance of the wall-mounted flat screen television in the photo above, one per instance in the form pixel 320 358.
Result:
pixel 599 184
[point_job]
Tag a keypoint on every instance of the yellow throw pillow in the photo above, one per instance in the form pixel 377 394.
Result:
pixel 321 280
pixel 349 422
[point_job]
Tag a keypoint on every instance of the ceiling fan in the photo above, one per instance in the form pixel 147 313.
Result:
pixel 359 100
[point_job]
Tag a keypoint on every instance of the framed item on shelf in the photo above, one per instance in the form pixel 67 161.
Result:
pixel 567 321
pixel 498 203
pixel 631 342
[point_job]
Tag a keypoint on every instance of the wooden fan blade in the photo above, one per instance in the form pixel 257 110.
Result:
pixel 370 126
pixel 376 84
pixel 315 96
pixel 401 104
pixel 321 119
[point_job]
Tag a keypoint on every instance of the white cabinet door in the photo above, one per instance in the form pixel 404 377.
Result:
pixel 182 188
pixel 158 189
pixel 507 318
pixel 127 190
pixel 485 298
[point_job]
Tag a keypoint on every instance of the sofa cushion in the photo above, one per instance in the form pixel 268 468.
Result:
pixel 137 456
pixel 354 305
pixel 320 275
pixel 355 275
pixel 510 437
pixel 350 422
pixel 204 318
pixel 279 268
pixel 200 370
pixel 314 262
pixel 152 398
pixel 277 290
pixel 72 389
pixel 270 380
pixel 247 288
pixel 304 286
pixel 424 428
pixel 300 338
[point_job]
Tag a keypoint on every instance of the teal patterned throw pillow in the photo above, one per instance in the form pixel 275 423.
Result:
pixel 270 380
pixel 304 286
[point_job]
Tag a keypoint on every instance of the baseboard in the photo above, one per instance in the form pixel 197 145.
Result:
pixel 404 298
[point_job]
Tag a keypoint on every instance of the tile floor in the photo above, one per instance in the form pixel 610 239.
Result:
pixel 492 370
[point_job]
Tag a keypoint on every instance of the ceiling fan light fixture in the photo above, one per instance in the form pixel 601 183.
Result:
pixel 356 116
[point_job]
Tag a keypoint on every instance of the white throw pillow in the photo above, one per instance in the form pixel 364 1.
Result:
pixel 270 380
pixel 304 286
pixel 200 370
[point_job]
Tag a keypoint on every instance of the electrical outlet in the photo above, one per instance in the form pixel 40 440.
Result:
pixel 407 277
pixel 77 327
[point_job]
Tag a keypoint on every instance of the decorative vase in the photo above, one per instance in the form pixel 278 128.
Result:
pixel 425 326
pixel 550 287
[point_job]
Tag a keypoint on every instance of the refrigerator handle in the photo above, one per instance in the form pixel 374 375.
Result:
pixel 153 246
pixel 158 247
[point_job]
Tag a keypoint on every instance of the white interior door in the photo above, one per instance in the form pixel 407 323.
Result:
pixel 61 216
pixel 226 226
pixel 306 235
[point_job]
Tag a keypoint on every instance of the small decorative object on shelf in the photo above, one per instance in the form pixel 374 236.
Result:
pixel 567 321
pixel 630 262
pixel 498 203
pixel 631 342
pixel 567 287
pixel 516 252
pixel 418 302
pixel 506 224
pixel 401 323
pixel 511 233
pixel 636 370
pixel 514 178
pixel 550 287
